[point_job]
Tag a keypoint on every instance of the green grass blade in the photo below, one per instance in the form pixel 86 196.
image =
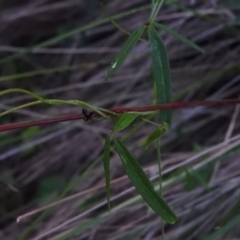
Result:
pixel 179 37
pixel 232 213
pixel 124 121
pixel 207 17
pixel 106 165
pixel 200 179
pixel 73 32
pixel 219 232
pixel 154 135
pixel 230 4
pixel 143 184
pixel 46 71
pixel 125 50
pixel 161 74
pixel 79 229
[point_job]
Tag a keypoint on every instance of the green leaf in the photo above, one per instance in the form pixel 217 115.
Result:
pixel 125 50
pixel 179 37
pixel 106 165
pixel 143 184
pixel 124 121
pixel 156 134
pixel 29 132
pixel 161 74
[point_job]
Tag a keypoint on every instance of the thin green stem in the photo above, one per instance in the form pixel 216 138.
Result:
pixel 100 111
pixel 19 90
pixel 20 107
pixel 79 103
pixel 159 158
pixel 159 164
pixel 105 12
pixel 151 122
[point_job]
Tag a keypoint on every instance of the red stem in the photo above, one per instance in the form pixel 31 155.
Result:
pixel 76 116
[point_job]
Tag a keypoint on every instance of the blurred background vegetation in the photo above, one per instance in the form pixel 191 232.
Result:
pixel 61 49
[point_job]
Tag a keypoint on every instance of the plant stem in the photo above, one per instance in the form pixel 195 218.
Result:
pixel 120 110
pixel 159 159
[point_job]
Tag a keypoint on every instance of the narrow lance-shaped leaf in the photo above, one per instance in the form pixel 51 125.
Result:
pixel 125 50
pixel 161 74
pixel 143 184
pixel 179 37
pixel 106 165
pixel 154 135
pixel 124 121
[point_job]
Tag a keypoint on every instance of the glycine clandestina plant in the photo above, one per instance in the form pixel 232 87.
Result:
pixel 162 95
